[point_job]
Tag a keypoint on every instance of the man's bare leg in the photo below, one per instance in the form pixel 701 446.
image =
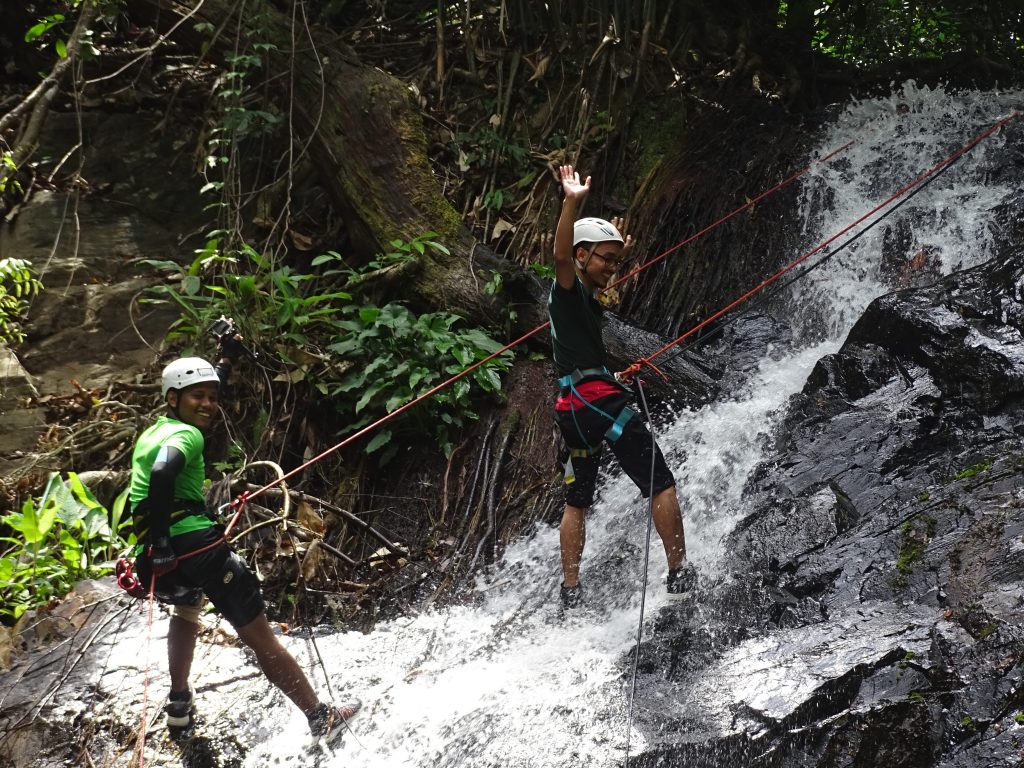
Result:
pixel 668 521
pixel 181 647
pixel 572 536
pixel 277 664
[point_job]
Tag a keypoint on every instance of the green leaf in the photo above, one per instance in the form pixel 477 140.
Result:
pixel 83 494
pixel 347 347
pixel 36 523
pixel 117 511
pixel 62 49
pixel 379 440
pixel 488 379
pixel 36 30
pixel 191 285
pixel 369 315
pixel 397 400
pixel 326 258
pixel 95 524
pixel 57 495
pixel 368 395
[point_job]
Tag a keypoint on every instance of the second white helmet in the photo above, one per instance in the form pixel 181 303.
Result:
pixel 186 371
pixel 594 230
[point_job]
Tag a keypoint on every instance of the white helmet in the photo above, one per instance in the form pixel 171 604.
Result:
pixel 186 371
pixel 594 230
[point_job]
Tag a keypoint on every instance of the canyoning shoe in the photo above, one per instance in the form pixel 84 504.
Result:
pixel 680 581
pixel 179 708
pixel 572 597
pixel 328 721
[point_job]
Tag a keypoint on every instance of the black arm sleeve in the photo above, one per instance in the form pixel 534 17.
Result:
pixel 223 370
pixel 160 501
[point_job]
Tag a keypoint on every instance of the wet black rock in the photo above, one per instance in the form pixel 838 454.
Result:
pixel 879 574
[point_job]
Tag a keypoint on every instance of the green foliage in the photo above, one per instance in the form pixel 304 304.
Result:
pixel 493 286
pixel 397 356
pixel 982 466
pixel 64 536
pixel 8 167
pixel 17 286
pixel 914 538
pixel 873 32
pixel 239 111
pixel 368 360
pixel 58 26
pixel 546 271
pixel 485 145
pixel 401 253
pixel 44 25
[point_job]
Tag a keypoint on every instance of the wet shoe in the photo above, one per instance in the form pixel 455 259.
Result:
pixel 680 581
pixel 328 721
pixel 179 708
pixel 571 596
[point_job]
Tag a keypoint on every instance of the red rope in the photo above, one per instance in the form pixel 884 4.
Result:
pixel 768 281
pixel 239 503
pixel 728 216
pixel 141 746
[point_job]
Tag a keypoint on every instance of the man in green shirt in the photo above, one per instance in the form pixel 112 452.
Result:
pixel 186 556
pixel 592 408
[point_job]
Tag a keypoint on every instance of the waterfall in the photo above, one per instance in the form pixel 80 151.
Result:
pixel 506 680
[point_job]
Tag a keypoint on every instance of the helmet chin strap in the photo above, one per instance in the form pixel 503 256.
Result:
pixel 174 408
pixel 583 267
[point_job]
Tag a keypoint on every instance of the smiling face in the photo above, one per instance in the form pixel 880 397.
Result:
pixel 195 405
pixel 599 264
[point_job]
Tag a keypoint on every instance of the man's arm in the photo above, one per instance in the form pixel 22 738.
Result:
pixel 159 505
pixel 575 194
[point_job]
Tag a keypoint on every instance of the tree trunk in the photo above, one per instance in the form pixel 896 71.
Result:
pixel 368 143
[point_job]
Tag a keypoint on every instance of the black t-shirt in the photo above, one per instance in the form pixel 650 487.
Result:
pixel 575 328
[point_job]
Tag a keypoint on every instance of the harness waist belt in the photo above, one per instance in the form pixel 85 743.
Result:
pixel 570 380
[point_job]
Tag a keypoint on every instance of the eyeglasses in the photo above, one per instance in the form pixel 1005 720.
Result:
pixel 609 258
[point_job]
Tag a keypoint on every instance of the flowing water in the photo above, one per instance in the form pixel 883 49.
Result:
pixel 507 681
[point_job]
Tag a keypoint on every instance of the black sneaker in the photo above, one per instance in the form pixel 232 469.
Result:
pixel 571 596
pixel 328 721
pixel 680 581
pixel 179 708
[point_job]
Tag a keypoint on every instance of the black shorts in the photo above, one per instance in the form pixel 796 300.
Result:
pixel 218 573
pixel 586 427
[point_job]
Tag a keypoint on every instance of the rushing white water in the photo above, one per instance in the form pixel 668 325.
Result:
pixel 898 139
pixel 507 681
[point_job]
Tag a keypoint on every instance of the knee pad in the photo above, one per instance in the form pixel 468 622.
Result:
pixel 189 613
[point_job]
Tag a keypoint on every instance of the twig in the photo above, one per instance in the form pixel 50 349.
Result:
pixel 393 548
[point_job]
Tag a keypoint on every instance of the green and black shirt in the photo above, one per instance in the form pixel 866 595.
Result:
pixel 189 510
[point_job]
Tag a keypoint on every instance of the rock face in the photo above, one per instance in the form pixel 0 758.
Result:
pixel 875 613
pixel 84 243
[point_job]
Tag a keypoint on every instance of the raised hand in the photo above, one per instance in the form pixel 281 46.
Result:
pixel 619 222
pixel 571 185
